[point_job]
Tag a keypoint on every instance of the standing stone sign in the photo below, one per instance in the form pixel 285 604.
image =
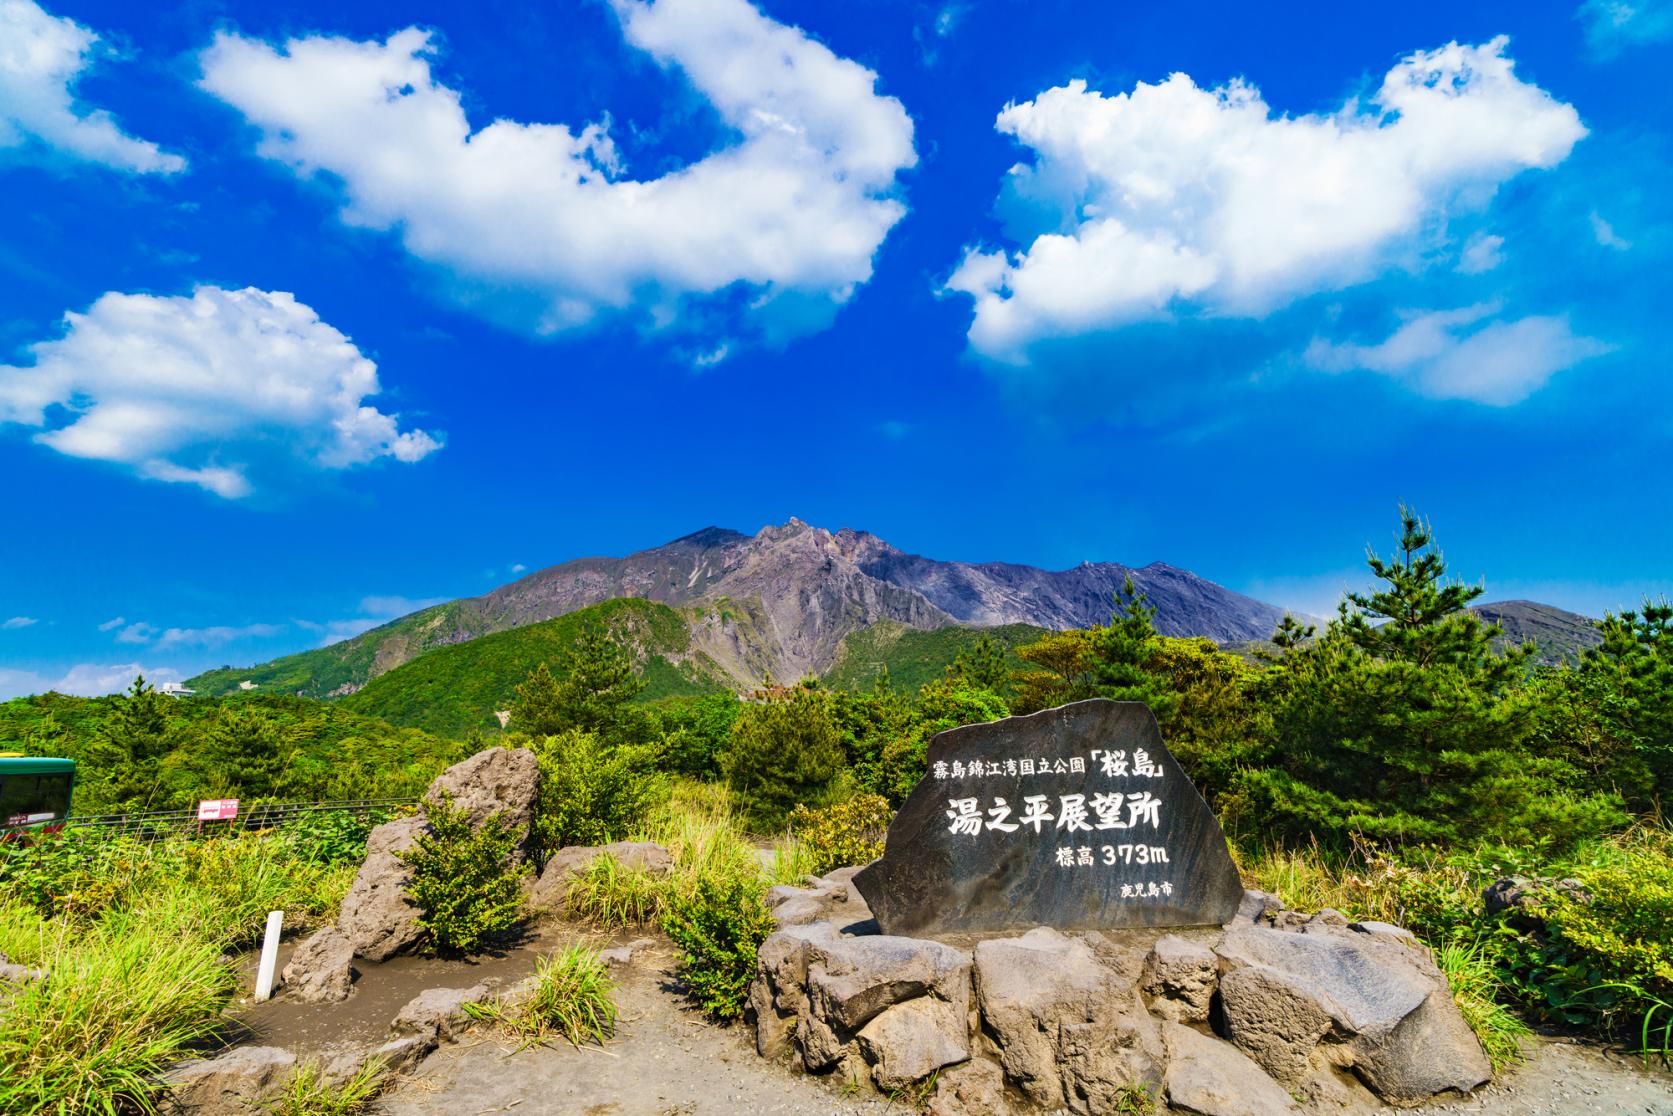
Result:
pixel 1078 818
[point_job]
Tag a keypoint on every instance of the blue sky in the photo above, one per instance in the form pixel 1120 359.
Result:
pixel 310 314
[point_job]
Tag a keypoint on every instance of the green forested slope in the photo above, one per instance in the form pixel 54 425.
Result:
pixel 452 690
pixel 913 656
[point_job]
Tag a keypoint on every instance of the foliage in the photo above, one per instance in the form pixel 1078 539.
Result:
pixel 455 688
pixel 611 894
pixel 694 732
pixel 784 751
pixel 1476 989
pixel 144 751
pixel 572 997
pixel 718 924
pixel 465 881
pixel 848 833
pixel 310 1092
pixel 910 657
pixel 332 836
pixel 596 682
pixel 592 791
pixel 1627 683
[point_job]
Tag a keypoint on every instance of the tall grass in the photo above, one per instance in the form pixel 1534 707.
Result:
pixel 309 1092
pixel 572 998
pixel 609 893
pixel 1476 989
pixel 124 999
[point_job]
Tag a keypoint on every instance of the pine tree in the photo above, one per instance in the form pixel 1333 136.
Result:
pixel 1123 655
pixel 538 708
pixel 981 666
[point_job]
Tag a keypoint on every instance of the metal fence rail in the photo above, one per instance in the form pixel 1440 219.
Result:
pixel 155 824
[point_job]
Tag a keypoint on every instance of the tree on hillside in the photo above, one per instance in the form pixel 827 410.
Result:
pixel 131 741
pixel 1628 681
pixel 536 710
pixel 1123 654
pixel 1064 671
pixel 981 666
pixel 784 751
pixel 592 692
pixel 1401 722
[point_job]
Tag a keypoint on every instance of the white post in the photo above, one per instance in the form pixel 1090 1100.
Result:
pixel 269 955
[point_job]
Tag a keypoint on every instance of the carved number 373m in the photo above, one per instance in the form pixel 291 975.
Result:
pixel 1135 854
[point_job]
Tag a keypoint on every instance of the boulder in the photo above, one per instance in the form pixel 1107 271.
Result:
pixel 240 1079
pixel 1519 894
pixel 19 974
pixel 377 917
pixel 320 971
pixel 908 1042
pixel 828 898
pixel 623 955
pixel 549 889
pixel 437 1013
pixel 1181 976
pixel 1210 1077
pixel 1068 1032
pixel 1378 1002
pixel 850 979
pixel 395 1056
pixel 494 781
pixel 973 1088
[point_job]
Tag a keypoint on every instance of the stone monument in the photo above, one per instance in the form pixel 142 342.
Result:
pixel 1077 818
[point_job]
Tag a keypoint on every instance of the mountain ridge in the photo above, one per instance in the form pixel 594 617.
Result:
pixel 774 604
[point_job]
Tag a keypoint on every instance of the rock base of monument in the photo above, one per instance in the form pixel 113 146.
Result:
pixel 1273 1013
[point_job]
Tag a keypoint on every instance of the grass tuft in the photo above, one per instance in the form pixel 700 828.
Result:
pixel 1477 990
pixel 573 998
pixel 310 1093
pixel 610 894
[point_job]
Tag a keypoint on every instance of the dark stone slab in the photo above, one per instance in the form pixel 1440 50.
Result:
pixel 1142 847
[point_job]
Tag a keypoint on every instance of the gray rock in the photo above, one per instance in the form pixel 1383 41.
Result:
pixel 437 1013
pixel 1385 930
pixel 623 955
pixel 908 1042
pixel 852 979
pixel 1379 1003
pixel 1257 906
pixel 564 867
pixel 377 916
pixel 1181 976
pixel 18 975
pixel 1068 1033
pixel 941 876
pixel 239 1079
pixel 829 898
pixel 321 969
pixel 1213 1078
pixel 502 781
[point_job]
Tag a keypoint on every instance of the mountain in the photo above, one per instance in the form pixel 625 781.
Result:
pixel 778 603
pixel 1559 636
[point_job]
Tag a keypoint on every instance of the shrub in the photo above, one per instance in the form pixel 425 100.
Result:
pixel 464 880
pixel 783 751
pixel 611 894
pixel 848 833
pixel 593 792
pixel 572 997
pixel 331 836
pixel 719 925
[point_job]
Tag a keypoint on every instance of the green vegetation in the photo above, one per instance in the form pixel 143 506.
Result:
pixel 847 833
pixel 911 657
pixel 455 689
pixel 592 791
pixel 611 894
pixel 308 1092
pixel 466 881
pixel 135 938
pixel 784 751
pixel 719 924
pixel 143 751
pixel 571 997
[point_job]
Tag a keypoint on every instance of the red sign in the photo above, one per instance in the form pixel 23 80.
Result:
pixel 218 809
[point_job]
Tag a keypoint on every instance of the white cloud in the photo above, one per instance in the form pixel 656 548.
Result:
pixel 518 567
pixel 794 209
pixel 1604 233
pixel 335 631
pixel 41 59
pixel 17 622
pixel 398 605
pixel 137 632
pixel 1482 252
pixel 83 680
pixel 112 623
pixel 1174 196
pixel 1614 25
pixel 215 635
pixel 180 389
pixel 1466 354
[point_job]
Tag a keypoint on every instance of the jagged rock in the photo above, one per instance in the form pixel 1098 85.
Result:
pixel 975 1088
pixel 852 979
pixel 910 1041
pixel 234 1081
pixel 551 887
pixel 395 1056
pixel 1068 1032
pixel 377 916
pixel 320 971
pixel 1518 893
pixel 1181 975
pixel 623 955
pixel 437 1013
pixel 829 897
pixel 503 781
pixel 1381 1004
pixel 1213 1078
pixel 1257 906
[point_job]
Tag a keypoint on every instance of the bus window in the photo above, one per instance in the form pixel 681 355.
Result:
pixel 27 799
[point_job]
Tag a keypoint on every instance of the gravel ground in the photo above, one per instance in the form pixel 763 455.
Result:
pixel 1562 1078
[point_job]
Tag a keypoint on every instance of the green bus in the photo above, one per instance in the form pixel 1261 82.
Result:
pixel 34 791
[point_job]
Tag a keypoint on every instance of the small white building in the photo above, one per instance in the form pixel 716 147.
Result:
pixel 174 689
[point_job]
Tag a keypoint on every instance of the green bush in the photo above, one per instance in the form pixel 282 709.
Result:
pixel 331 836
pixel 849 833
pixel 719 925
pixel 573 997
pixel 593 792
pixel 465 881
pixel 783 751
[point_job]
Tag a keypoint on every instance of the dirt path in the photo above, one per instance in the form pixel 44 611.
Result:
pixel 1562 1078
pixel 664 1061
